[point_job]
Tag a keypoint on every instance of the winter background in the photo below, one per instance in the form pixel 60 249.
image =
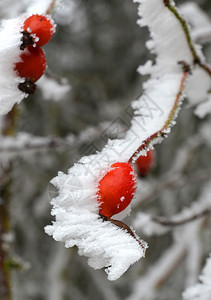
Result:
pixel 82 101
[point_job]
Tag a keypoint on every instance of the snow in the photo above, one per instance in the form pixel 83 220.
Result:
pixel 76 207
pixel 204 108
pixel 202 290
pixel 10 40
pixel 52 89
pixel 146 286
pixel 194 15
pixel 200 22
pixel 78 223
pixel 39 6
pixel 144 222
pixel 198 86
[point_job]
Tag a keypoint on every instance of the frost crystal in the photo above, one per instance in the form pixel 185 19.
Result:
pixel 10 40
pixel 202 290
pixel 76 207
pixel 53 90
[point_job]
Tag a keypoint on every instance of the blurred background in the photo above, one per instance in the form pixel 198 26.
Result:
pixel 93 60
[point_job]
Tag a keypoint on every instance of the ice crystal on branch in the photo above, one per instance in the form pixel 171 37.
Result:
pixel 76 209
pixel 202 290
pixel 10 40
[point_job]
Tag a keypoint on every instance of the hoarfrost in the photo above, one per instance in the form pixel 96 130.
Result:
pixel 10 40
pixel 53 90
pixel 198 86
pixel 202 290
pixel 76 208
pixel 204 108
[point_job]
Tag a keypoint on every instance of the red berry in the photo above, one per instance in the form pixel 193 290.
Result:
pixel 40 26
pixel 145 163
pixel 32 64
pixel 116 189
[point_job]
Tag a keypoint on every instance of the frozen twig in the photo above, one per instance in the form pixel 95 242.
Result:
pixel 26 142
pixel 199 21
pixel 76 208
pixel 155 225
pixel 145 287
pixel 171 223
pixel 202 290
pixel 162 133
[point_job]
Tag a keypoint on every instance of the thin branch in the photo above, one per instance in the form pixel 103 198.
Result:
pixel 184 25
pixel 26 142
pixel 161 133
pixel 36 144
pixel 171 268
pixel 168 222
pixel 51 7
pixel 185 28
pixel 177 180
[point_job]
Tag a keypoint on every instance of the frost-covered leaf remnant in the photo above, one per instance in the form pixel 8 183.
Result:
pixel 76 209
pixel 202 290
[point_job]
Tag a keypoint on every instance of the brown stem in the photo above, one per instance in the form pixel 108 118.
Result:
pixel 167 222
pixel 206 67
pixel 122 225
pixel 172 113
pixel 185 28
pixel 51 7
pixel 196 58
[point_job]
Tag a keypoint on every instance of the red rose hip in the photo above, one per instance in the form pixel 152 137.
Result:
pixel 145 163
pixel 116 189
pixel 32 65
pixel 40 28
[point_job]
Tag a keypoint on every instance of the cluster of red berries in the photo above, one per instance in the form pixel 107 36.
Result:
pixel 37 31
pixel 117 188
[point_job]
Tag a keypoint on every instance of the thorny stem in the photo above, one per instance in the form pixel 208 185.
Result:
pixel 161 133
pixel 166 222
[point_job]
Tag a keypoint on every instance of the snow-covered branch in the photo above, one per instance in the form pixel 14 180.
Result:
pixel 156 225
pixel 22 142
pixel 199 21
pixel 154 115
pixel 202 290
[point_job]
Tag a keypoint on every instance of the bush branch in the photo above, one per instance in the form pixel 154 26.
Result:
pixel 171 223
pixel 161 133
